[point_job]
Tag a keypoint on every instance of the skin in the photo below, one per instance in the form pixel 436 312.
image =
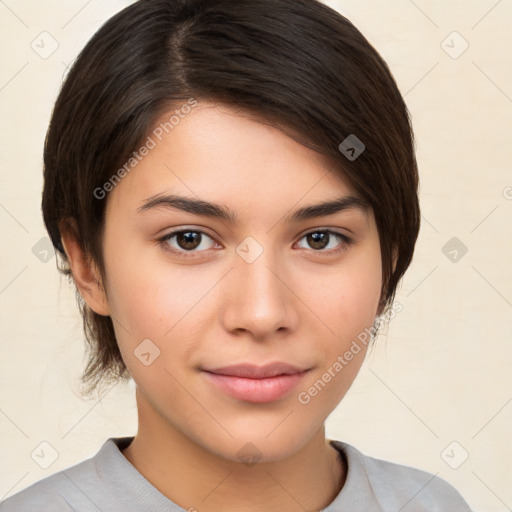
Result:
pixel 294 303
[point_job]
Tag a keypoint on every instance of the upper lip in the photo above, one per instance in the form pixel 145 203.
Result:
pixel 252 371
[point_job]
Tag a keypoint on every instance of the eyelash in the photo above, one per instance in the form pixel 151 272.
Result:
pixel 345 242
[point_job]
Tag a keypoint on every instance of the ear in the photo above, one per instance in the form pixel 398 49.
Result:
pixel 85 272
pixel 394 258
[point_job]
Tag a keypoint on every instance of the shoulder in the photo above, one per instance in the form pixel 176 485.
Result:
pixel 399 487
pixel 50 494
pixel 71 489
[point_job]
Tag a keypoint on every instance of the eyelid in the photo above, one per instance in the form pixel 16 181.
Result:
pixel 324 229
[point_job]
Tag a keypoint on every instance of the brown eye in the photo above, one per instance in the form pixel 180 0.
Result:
pixel 187 242
pixel 188 239
pixel 319 240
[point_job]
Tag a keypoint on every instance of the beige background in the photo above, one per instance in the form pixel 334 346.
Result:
pixel 442 372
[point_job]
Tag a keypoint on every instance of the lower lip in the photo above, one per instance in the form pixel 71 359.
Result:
pixel 256 390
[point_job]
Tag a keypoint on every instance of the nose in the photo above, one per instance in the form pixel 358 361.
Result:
pixel 258 300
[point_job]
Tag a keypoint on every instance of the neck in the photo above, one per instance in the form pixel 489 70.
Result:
pixel 197 479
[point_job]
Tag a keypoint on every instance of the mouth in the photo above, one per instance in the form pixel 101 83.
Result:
pixel 257 384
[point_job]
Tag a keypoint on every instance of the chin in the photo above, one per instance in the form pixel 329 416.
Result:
pixel 260 444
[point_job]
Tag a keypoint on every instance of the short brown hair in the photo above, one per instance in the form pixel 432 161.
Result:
pixel 298 63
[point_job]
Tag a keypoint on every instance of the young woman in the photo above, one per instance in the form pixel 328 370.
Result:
pixel 232 187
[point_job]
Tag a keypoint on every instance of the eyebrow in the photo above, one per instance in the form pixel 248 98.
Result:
pixel 201 207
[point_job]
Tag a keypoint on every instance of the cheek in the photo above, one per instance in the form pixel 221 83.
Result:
pixel 352 315
pixel 158 336
pixel 363 291
pixel 136 300
pixel 150 300
pixel 145 293
pixel 353 296
pixel 349 307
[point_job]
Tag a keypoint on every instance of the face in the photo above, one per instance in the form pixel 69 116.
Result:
pixel 227 323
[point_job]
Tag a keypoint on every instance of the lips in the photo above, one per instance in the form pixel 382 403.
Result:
pixel 250 371
pixel 257 384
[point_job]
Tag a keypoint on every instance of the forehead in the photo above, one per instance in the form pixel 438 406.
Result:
pixel 224 155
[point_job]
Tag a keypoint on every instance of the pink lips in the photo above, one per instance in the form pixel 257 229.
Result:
pixel 258 384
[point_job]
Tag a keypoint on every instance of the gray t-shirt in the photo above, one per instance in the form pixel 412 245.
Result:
pixel 108 482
